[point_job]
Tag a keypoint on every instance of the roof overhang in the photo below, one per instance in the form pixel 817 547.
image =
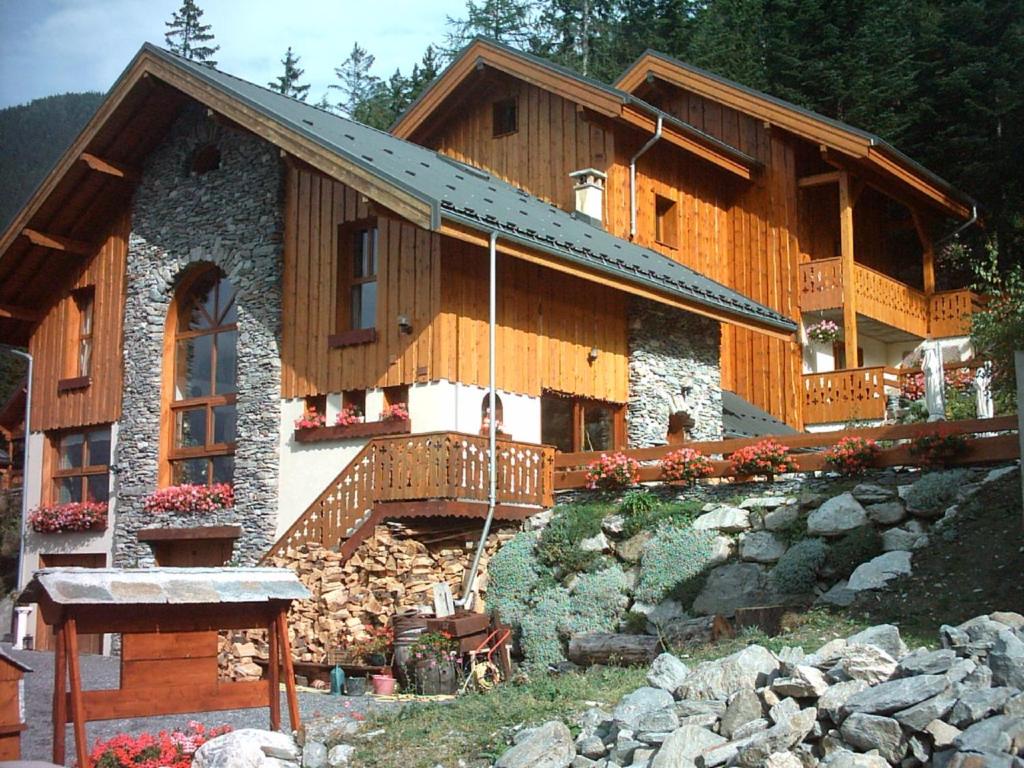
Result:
pixel 860 146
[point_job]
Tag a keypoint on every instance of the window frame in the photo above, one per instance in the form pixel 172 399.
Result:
pixel 579 412
pixel 666 221
pixel 498 128
pixel 346 333
pixel 84 472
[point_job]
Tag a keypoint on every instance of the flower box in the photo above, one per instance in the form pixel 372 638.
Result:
pixel 75 517
pixel 191 499
pixel 351 431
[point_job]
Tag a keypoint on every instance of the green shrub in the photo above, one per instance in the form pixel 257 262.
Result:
pixel 559 543
pixel 512 574
pixel 686 591
pixel 853 548
pixel 935 491
pixel 639 502
pixel 541 642
pixel 797 570
pixel 648 518
pixel 675 554
pixel 596 601
pixel 635 623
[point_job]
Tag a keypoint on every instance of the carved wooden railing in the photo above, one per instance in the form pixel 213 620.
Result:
pixel 856 394
pixel 889 301
pixel 821 285
pixel 950 312
pixel 434 465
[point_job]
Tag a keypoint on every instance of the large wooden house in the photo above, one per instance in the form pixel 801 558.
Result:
pixel 811 217
pixel 211 261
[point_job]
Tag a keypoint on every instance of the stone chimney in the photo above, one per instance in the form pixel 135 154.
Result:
pixel 589 188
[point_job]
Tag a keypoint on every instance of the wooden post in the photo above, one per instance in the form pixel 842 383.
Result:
pixel 77 706
pixel 847 270
pixel 274 677
pixel 60 700
pixel 285 649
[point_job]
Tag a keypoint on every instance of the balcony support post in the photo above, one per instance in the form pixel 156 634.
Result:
pixel 846 202
pixel 927 254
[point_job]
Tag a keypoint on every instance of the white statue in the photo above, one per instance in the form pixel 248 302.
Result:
pixel 983 391
pixel 934 382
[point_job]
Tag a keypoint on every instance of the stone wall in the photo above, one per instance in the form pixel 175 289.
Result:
pixel 669 349
pixel 231 217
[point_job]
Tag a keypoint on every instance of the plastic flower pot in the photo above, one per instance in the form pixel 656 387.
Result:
pixel 383 685
pixel 355 686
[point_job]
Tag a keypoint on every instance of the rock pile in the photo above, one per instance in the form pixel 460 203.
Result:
pixel 863 702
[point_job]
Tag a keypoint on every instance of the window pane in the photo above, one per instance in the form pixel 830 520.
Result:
pixel 189 471
pixel 359 253
pixel 226 362
pixel 71 450
pixel 69 489
pixel 99 447
pixel 192 367
pixel 223 469
pixel 226 303
pixel 598 428
pixel 372 260
pixel 85 316
pixel 364 305
pixel 190 428
pixel 84 356
pixel 556 423
pixel 97 486
pixel 224 424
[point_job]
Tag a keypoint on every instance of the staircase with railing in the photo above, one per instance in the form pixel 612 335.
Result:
pixel 434 472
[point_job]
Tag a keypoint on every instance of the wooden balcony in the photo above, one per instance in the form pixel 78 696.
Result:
pixel 887 300
pixel 434 473
pixel 855 394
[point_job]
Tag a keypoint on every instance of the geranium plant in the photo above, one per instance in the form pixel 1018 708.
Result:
pixel 202 499
pixel 824 332
pixel 938 447
pixel 433 648
pixel 766 457
pixel 612 471
pixel 170 749
pixel 310 419
pixel 852 455
pixel 686 465
pixel 67 518
pixel 395 412
pixel 347 416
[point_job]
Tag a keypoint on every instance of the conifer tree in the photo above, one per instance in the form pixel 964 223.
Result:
pixel 358 84
pixel 188 37
pixel 287 82
pixel 506 21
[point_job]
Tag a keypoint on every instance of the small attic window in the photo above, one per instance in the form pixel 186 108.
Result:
pixel 506 117
pixel 205 159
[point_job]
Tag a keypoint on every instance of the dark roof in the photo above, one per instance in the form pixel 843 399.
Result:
pixel 5 656
pixel 467 195
pixel 871 138
pixel 744 419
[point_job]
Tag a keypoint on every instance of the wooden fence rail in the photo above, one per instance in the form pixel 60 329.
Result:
pixel 570 468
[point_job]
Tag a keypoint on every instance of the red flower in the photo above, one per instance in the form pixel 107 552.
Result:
pixel 205 499
pixel 686 464
pixel 852 455
pixel 611 471
pixel 767 457
pixel 76 516
pixel 166 749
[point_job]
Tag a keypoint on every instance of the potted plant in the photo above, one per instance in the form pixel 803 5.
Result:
pixel 348 415
pixel 395 412
pixel 310 419
pixel 433 660
pixel 685 465
pixel 191 499
pixel 823 332
pixel 852 455
pixel 69 518
pixel 766 457
pixel 613 471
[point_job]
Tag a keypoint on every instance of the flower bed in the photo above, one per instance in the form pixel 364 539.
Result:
pixel 852 455
pixel 69 518
pixel 187 499
pixel 170 749
pixel 613 471
pixel 686 465
pixel 766 457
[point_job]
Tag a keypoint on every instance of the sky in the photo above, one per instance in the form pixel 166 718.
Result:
pixel 56 46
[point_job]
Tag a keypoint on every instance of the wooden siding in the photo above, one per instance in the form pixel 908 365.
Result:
pixel 100 401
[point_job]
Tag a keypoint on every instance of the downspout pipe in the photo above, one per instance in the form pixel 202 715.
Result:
pixel 492 422
pixel 632 175
pixel 24 460
pixel 962 227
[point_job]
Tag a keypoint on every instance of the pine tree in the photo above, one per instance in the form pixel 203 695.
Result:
pixel 358 85
pixel 506 21
pixel 287 82
pixel 424 73
pixel 187 37
pixel 728 38
pixel 574 33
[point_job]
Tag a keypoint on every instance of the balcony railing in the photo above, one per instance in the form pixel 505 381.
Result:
pixel 887 300
pixel 854 394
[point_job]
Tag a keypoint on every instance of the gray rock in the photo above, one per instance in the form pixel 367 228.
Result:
pixel 1015 706
pixel 804 682
pixel 884 636
pixel 661 614
pixel 657 721
pixel 839 595
pixel 784 710
pixel 778 738
pixel 692 707
pixel 843 758
pixel 703 721
pixel 549 746
pixel 761 547
pixel 752 667
pixel 749 729
pixel 919 748
pixel 634 706
pixel 895 695
pixel 924 662
pixel 868 732
pixel 244 749
pixel 974 637
pixel 781 518
pixel 728 587
pixel 981 677
pixel 833 699
pixel 684 745
pixel 873 493
pixel 766 502
pixel 869 663
pixel 743 707
pixel 632 549
pixel 1010 618
pixel 961 669
pixel 886 513
pixel 783 760
pixel 1001 733
pixel 725 519
pixel 721 550
pixel 314 754
pixel 340 755
pixel 596 543
pixel 901 540
pixel 623 750
pixel 942 734
pixel 876 573
pixel 591 747
pixel 917 717
pixel 582 762
pixel 614 525
pixel 836 516
pixel 979 704
pixel 667 672
pixel 1006 660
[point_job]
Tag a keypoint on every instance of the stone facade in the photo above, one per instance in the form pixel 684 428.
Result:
pixel 231 217
pixel 668 350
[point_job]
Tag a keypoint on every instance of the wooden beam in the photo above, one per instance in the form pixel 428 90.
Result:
pixel 818 179
pixel 927 253
pixel 59 243
pixel 110 168
pixel 60 686
pixel 20 313
pixel 847 269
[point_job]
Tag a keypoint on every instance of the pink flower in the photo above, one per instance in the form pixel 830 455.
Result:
pixel 75 516
pixel 205 499
pixel 395 412
pixel 686 464
pixel 611 471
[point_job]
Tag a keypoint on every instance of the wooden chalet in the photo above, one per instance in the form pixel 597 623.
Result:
pixel 811 217
pixel 211 262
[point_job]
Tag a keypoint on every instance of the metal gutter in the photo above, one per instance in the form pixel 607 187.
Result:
pixel 632 175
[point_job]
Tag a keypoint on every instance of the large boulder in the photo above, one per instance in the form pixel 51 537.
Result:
pixel 1006 660
pixel 634 707
pixel 917 717
pixel 1002 733
pixel 894 695
pixel 901 539
pixel 886 513
pixel 244 748
pixel 876 573
pixel 761 547
pixel 873 493
pixel 977 705
pixel 803 683
pixel 752 667
pixel 832 700
pixel 726 519
pixel 975 637
pixel 549 746
pixel 667 672
pixel 836 516
pixel 744 706
pixel 884 636
pixel 867 732
pixel 865 662
pixel 781 518
pixel 728 587
pixel 681 748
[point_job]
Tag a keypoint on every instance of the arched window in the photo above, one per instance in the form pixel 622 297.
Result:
pixel 201 408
